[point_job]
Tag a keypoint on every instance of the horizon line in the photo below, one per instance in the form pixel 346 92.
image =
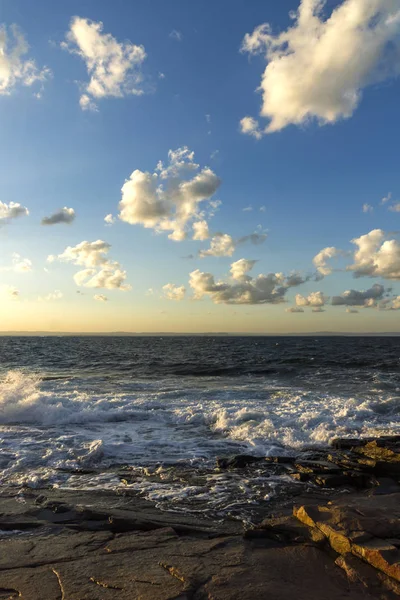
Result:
pixel 13 333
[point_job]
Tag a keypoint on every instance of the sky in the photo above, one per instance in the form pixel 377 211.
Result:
pixel 200 167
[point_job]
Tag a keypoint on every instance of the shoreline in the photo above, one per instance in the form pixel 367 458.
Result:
pixel 338 536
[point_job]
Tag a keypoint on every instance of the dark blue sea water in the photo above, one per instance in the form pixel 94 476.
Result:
pixel 75 411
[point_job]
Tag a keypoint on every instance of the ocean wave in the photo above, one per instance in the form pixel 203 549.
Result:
pixel 55 426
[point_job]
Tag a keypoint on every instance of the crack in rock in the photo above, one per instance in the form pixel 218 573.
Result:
pixel 57 574
pixel 173 571
pixel 108 586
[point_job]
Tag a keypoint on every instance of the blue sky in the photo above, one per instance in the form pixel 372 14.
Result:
pixel 313 177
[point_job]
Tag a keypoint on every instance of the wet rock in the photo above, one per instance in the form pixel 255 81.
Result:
pixel 238 462
pixel 315 466
pixel 333 481
pixel 385 485
pixel 302 477
pixel 283 460
pixel 348 443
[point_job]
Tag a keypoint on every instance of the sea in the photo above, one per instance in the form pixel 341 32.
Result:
pixel 151 415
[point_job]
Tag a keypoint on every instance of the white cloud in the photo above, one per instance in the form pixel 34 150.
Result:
pixel 65 215
pixel 86 103
pixel 320 260
pixel 248 209
pixel 110 277
pixel 200 230
pixel 19 264
pixel 100 298
pixel 243 289
pixel 250 126
pixel 176 35
pixel 240 269
pixel 100 271
pixel 366 298
pixel 173 292
pixel 395 207
pixel 318 67
pixel 376 256
pixel 169 198
pixel 387 198
pixel 11 211
pixel 367 208
pixel 315 300
pixel 221 244
pixel 56 295
pixel 109 219
pixel 263 208
pixel 114 67
pixel 15 68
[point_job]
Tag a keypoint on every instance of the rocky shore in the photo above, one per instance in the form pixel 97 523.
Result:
pixel 335 533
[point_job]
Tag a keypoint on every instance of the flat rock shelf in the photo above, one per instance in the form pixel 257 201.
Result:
pixel 337 535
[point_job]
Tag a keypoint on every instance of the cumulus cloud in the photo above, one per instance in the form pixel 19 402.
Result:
pixel 56 295
pixel 100 298
pixel 114 67
pixel 109 219
pixel 395 207
pixel 295 279
pixel 393 304
pixel 223 244
pixel 173 292
pixel 169 199
pixel 242 289
pixel 320 260
pixel 15 67
pixel 315 300
pixel 99 271
pixel 240 269
pixel 11 211
pixel 365 298
pixel 376 256
pixel 200 230
pixel 248 208
pixel 65 215
pixel 318 67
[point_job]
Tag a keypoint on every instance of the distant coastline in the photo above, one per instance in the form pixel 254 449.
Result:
pixel 205 334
